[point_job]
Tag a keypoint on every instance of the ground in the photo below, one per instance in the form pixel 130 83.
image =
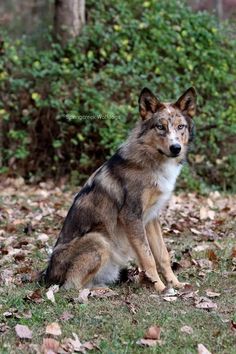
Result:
pixel 200 232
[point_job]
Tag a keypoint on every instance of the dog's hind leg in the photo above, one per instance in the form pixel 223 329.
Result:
pixel 93 255
pixel 76 263
pixel 160 252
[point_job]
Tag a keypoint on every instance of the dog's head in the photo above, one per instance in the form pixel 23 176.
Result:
pixel 167 127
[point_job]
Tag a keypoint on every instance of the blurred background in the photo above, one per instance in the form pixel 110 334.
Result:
pixel 71 72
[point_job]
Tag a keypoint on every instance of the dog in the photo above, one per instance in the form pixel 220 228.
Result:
pixel 115 216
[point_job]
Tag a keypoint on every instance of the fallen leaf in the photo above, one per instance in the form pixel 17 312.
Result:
pixel 210 293
pixel 51 291
pixel 212 256
pixel 186 329
pixel 103 293
pixel 8 314
pixel 201 248
pixel 3 328
pixel 169 291
pixel 147 342
pixel 131 307
pixel 53 328
pixel 77 345
pixel 66 316
pixel 205 263
pixel 89 346
pixel 233 326
pixel 203 213
pixel 153 332
pixel 83 296
pixel 42 238
pixel 23 331
pixel 34 296
pixel 194 231
pixel 206 304
pixel 170 298
pixel 151 337
pixel 50 346
pixel 201 349
pixel 233 252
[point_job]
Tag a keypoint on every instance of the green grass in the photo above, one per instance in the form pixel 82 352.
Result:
pixel 110 320
pixel 116 323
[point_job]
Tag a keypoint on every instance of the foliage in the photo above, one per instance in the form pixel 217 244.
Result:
pixel 66 110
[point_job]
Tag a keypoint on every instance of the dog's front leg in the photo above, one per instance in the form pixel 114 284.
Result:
pixel 160 252
pixel 138 240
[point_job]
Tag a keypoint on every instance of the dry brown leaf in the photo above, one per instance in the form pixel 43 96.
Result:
pixel 131 307
pixel 76 344
pixel 205 263
pixel 186 329
pixel 201 349
pixel 233 326
pixel 3 328
pixel 194 231
pixel 8 314
pixel 89 346
pixel 201 247
pixel 203 213
pixel 103 293
pixel 170 298
pixel 210 293
pixel 51 291
pixel 151 337
pixel 153 332
pixel 34 296
pixel 23 331
pixel 50 346
pixel 66 316
pixel 212 256
pixel 83 296
pixel 233 252
pixel 206 304
pixel 42 238
pixel 148 342
pixel 53 328
pixel 185 263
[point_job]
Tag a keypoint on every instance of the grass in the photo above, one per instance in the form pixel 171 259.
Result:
pixel 116 323
pixel 110 320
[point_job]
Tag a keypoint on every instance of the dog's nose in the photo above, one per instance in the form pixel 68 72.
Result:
pixel 175 149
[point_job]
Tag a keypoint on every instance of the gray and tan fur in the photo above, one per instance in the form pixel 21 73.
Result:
pixel 115 216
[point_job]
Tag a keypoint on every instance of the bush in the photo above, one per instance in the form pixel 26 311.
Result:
pixel 125 46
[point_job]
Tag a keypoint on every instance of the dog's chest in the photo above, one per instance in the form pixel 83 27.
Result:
pixel 162 185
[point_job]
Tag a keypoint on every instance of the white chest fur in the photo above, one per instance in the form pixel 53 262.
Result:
pixel 164 179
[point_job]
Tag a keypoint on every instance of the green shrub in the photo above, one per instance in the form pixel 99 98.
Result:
pixel 125 46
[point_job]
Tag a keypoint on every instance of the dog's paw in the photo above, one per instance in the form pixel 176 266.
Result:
pixel 159 287
pixel 179 285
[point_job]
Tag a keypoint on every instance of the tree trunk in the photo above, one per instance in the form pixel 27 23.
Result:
pixel 219 8
pixel 69 19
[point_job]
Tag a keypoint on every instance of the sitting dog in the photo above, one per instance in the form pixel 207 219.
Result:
pixel 115 216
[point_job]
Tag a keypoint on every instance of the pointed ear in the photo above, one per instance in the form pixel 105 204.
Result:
pixel 187 102
pixel 148 103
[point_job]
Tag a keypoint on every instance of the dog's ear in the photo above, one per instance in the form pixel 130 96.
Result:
pixel 187 102
pixel 148 103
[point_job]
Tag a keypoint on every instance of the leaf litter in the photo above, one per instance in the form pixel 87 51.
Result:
pixel 31 217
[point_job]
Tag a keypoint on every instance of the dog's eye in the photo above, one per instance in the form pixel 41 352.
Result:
pixel 181 126
pixel 160 127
